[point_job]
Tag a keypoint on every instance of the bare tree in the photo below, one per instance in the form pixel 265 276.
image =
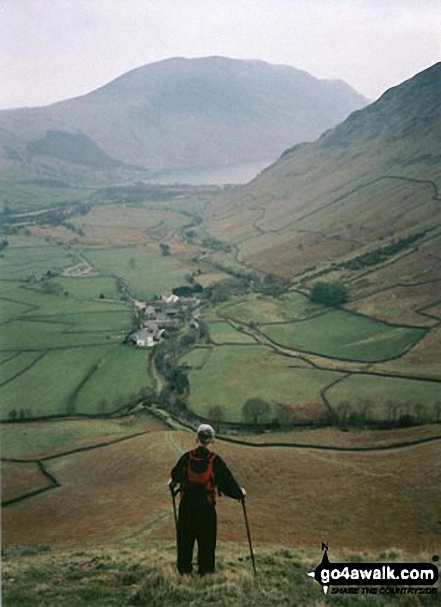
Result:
pixel 284 415
pixel 366 407
pixel 255 410
pixel 437 411
pixel 343 410
pixel 419 411
pixel 216 414
pixel 393 410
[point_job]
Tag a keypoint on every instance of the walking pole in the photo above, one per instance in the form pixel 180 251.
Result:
pixel 249 535
pixel 173 496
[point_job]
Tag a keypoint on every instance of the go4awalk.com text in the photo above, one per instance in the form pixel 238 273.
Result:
pixel 375 578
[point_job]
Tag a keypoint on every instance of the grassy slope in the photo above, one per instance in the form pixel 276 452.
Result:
pixel 36 440
pixel 119 492
pixel 18 479
pixel 322 200
pixel 137 574
pixel 260 309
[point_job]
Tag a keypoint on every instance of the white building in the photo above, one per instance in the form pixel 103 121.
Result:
pixel 170 299
pixel 148 336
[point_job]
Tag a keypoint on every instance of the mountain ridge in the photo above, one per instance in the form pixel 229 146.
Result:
pixel 181 112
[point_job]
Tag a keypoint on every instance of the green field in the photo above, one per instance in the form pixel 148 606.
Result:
pixel 42 335
pixel 340 334
pixel 91 321
pixel 11 309
pixel 61 352
pixel 15 365
pixel 170 221
pixel 19 263
pixel 120 375
pixel 39 194
pixel 21 441
pixel 89 287
pixel 48 386
pixel 233 374
pixel 73 380
pixel 415 398
pixel 18 240
pixel 44 304
pixel 223 333
pixel 261 309
pixel 197 357
pixel 5 356
pixel 148 272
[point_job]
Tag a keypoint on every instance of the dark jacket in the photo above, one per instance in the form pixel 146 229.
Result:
pixel 223 479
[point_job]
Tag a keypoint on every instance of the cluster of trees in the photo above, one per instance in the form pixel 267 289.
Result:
pixel 51 287
pixel 216 415
pixel 166 357
pixel 164 248
pixel 367 259
pixel 398 414
pixel 242 283
pixel 188 291
pixel 215 245
pixel 73 228
pixel 19 414
pixel 141 192
pixel 371 258
pixel 271 284
pixel 329 293
pixel 225 289
pixel 259 411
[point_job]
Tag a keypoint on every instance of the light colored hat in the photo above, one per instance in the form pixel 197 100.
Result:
pixel 205 434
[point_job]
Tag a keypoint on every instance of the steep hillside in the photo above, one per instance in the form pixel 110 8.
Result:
pixel 75 148
pixel 371 181
pixel 189 113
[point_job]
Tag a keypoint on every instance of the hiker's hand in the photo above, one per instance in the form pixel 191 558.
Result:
pixel 171 485
pixel 244 494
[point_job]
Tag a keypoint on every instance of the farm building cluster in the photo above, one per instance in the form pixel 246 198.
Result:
pixel 155 317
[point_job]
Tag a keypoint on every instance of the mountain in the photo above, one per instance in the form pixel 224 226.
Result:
pixel 371 181
pixel 180 113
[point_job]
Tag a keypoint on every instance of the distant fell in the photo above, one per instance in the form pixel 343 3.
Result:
pixel 181 113
pixel 75 148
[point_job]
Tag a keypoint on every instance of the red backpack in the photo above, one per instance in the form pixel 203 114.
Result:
pixel 200 477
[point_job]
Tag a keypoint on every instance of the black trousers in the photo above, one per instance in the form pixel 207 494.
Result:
pixel 197 523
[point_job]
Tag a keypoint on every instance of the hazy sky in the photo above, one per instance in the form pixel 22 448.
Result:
pixel 55 49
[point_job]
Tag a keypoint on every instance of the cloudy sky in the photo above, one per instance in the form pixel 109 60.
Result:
pixel 55 49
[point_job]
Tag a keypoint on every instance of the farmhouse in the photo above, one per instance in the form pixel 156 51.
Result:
pixel 148 336
pixel 170 299
pixel 139 305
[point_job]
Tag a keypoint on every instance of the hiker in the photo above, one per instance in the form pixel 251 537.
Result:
pixel 198 473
